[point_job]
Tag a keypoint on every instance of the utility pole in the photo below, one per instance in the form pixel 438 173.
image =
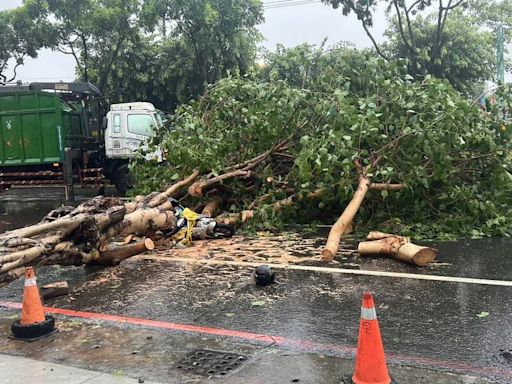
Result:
pixel 501 57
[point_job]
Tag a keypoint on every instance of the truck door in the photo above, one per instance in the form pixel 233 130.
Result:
pixel 114 141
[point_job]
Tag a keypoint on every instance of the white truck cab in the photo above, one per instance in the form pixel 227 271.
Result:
pixel 128 128
pixel 129 125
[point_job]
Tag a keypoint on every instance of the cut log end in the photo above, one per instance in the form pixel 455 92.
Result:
pixel 424 257
pixel 327 256
pixel 150 245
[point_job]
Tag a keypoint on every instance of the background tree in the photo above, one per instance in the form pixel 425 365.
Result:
pixel 208 40
pixel 404 12
pixel 94 32
pixel 468 56
pixel 22 34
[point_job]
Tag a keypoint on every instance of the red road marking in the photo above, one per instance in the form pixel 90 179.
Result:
pixel 303 345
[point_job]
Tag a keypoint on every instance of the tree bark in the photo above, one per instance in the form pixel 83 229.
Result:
pixel 341 225
pixel 397 246
pixel 173 190
pixel 212 207
pixel 60 288
pixel 197 189
pixel 115 255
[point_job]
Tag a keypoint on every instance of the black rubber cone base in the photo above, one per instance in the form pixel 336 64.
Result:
pixel 348 380
pixel 35 331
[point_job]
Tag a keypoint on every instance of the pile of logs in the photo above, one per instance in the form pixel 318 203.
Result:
pixel 86 234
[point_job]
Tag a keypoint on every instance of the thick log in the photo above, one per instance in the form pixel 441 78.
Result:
pixel 141 221
pixel 59 288
pixel 212 207
pixel 386 246
pixel 412 253
pixel 26 256
pixel 115 255
pixel 399 247
pixel 15 274
pixel 346 218
pixel 38 229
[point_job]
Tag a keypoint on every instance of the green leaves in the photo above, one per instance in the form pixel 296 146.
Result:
pixel 453 158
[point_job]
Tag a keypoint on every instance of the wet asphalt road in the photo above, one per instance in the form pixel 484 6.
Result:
pixel 424 323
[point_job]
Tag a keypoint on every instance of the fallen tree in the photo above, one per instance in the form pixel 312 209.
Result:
pixel 388 152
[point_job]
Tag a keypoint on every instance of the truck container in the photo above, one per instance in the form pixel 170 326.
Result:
pixel 42 122
pixel 36 126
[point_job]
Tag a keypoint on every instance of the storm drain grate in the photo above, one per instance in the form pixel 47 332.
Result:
pixel 210 363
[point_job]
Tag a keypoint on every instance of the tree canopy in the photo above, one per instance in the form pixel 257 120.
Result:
pixel 192 44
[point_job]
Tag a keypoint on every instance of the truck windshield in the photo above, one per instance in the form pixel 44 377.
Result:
pixel 141 124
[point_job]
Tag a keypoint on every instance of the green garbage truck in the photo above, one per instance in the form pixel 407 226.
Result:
pixel 48 127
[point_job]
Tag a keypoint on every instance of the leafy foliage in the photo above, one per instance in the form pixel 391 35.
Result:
pixel 94 32
pixel 162 51
pixel 424 134
pixel 22 34
pixel 187 45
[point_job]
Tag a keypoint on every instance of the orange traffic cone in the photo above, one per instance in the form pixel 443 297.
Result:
pixel 33 324
pixel 32 310
pixel 370 360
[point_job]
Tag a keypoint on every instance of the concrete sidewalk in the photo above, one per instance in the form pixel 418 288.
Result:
pixel 18 370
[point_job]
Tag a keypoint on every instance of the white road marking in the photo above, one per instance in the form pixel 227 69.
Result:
pixel 399 275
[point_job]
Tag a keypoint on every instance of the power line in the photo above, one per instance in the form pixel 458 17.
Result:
pixel 272 2
pixel 286 4
pixel 276 1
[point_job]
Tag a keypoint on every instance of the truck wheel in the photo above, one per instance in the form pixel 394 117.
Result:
pixel 121 179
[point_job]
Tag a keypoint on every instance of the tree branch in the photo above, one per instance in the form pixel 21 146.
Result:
pixel 450 7
pixel 379 52
pixel 400 25
pixel 408 10
pixel 410 45
pixel 14 73
pixel 367 30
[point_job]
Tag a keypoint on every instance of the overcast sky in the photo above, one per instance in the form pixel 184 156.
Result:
pixel 288 25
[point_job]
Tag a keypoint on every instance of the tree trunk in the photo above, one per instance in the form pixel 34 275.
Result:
pixel 212 207
pixel 115 255
pixel 412 253
pixel 397 246
pixel 341 225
